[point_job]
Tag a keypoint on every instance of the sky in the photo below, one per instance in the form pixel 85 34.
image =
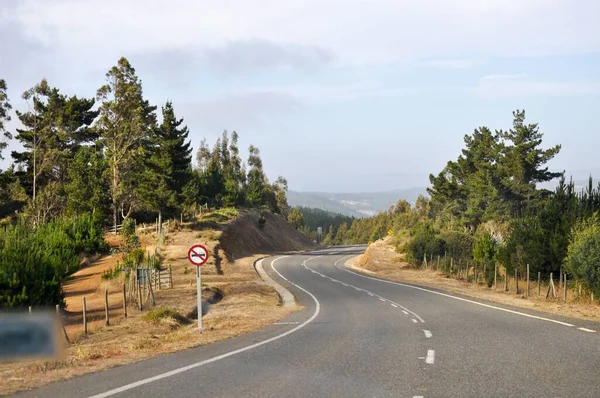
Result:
pixel 339 95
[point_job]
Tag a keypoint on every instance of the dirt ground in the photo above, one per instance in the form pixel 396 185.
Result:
pixel 381 259
pixel 238 303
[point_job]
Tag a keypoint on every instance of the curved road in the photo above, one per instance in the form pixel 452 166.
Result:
pixel 359 336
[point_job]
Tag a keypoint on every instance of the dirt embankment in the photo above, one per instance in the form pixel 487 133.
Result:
pixel 244 236
pixel 383 260
pixel 236 299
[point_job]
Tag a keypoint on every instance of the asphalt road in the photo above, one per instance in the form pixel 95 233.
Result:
pixel 362 337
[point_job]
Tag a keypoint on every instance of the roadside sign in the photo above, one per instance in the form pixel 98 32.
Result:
pixel 198 255
pixel 390 232
pixel 319 230
pixel 29 336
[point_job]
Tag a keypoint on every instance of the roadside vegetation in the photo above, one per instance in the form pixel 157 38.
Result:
pixel 86 165
pixel 485 209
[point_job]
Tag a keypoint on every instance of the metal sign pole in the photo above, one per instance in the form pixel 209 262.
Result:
pixel 199 294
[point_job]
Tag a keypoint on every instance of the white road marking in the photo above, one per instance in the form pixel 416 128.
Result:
pixel 430 357
pixel 415 321
pixel 394 305
pixel 404 312
pixel 222 356
pixel 427 334
pixel 286 323
pixel 381 299
pixel 587 330
pixel 460 298
pixel 364 290
pixel 418 396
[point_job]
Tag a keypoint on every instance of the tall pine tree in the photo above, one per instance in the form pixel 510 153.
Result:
pixel 4 115
pixel 126 122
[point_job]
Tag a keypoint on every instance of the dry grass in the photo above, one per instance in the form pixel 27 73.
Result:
pixel 246 305
pixel 381 259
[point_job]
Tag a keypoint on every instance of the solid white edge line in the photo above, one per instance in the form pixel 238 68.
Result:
pixel 462 299
pixel 381 299
pixel 587 330
pixel 222 356
pixel 430 357
pixel 405 312
pixel 394 305
pixel 427 334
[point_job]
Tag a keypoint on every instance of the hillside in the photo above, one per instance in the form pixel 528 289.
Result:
pixel 244 237
pixel 359 204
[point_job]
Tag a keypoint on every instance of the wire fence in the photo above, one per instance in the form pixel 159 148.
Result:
pixel 524 282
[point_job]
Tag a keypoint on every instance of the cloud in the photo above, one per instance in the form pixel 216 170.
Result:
pixel 255 54
pixel 517 86
pixel 507 76
pixel 376 32
pixel 453 63
pixel 251 111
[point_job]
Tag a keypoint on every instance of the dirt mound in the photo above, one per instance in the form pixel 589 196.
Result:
pixel 244 237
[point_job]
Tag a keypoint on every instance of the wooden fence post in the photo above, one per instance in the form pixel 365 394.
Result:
pixel 84 317
pixel 495 275
pixel 438 263
pixel 527 290
pixel 30 309
pixel 124 302
pixel 170 277
pixel 140 296
pixel 107 322
pixel 565 293
pixel 539 284
pixel 505 280
pixel 516 281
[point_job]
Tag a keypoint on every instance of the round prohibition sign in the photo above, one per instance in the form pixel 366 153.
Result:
pixel 198 255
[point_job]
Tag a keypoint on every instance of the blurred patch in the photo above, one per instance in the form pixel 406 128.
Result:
pixel 25 336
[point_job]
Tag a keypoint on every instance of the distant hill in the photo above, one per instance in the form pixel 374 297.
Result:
pixel 363 204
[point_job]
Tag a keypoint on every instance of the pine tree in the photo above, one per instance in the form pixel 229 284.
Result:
pixel 255 193
pixel 125 123
pixel 173 147
pixel 523 162
pixel 4 115
pixel 87 189
pixel 55 128
pixel 296 218
pixel 280 188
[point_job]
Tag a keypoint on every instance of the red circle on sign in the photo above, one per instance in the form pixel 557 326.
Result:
pixel 198 255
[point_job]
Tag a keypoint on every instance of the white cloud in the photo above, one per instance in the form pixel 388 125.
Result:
pixel 517 86
pixel 507 76
pixel 358 32
pixel 454 63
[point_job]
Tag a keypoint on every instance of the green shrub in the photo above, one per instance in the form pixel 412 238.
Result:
pixel 583 253
pixel 161 314
pixel 457 245
pixel 424 241
pixel 34 262
pixel 484 252
pixel 129 239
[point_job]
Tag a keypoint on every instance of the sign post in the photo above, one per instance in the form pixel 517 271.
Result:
pixel 198 255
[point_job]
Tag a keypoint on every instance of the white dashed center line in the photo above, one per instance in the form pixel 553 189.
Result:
pixel 430 357
pixel 587 330
pixel 427 334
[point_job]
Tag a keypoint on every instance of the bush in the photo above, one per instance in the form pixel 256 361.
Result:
pixel 34 262
pixel 484 250
pixel 165 314
pixel 583 253
pixel 129 239
pixel 425 240
pixel 457 245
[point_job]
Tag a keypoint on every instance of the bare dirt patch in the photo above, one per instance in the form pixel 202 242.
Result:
pixel 382 260
pixel 237 302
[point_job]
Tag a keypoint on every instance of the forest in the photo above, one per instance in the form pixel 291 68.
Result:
pixel 90 163
pixel 486 208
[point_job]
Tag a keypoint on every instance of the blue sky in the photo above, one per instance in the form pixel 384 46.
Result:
pixel 338 95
